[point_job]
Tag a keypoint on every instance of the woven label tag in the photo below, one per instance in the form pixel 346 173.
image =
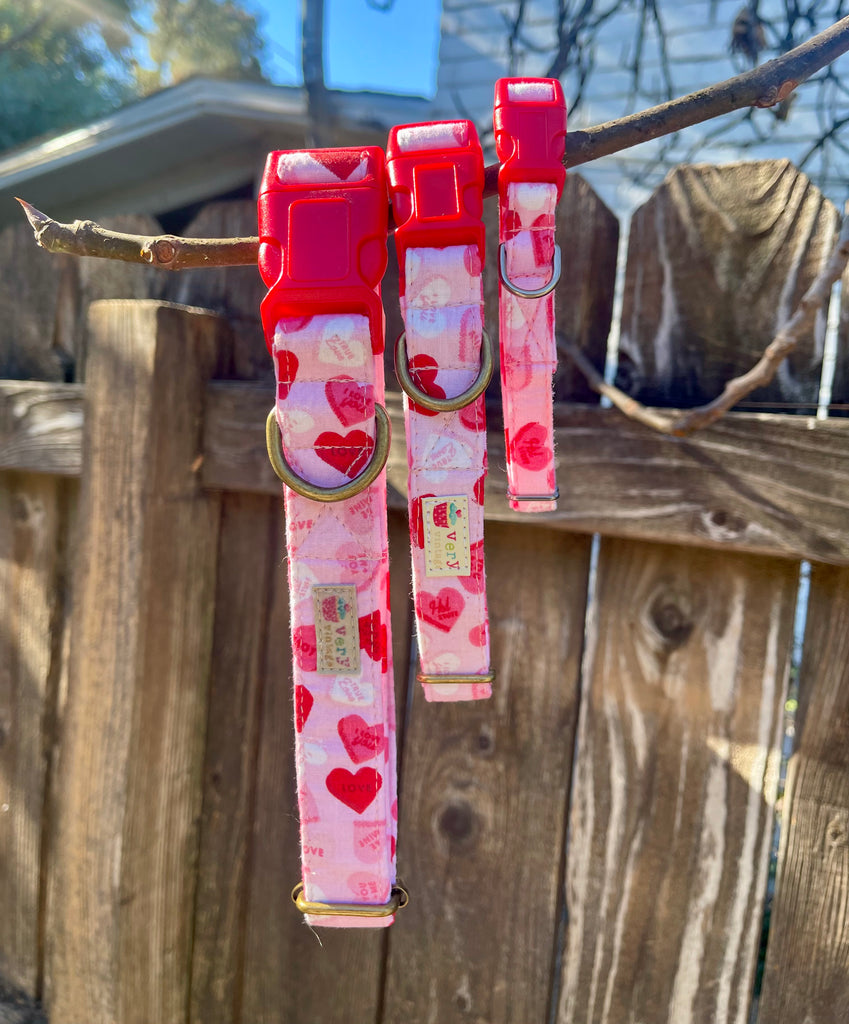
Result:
pixel 446 535
pixel 337 631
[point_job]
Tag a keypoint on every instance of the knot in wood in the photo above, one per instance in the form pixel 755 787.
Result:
pixel 457 821
pixel 670 615
pixel 837 831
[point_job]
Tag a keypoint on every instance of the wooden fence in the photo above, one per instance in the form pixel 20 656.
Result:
pixel 591 846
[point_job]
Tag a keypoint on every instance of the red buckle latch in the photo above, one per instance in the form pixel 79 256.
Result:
pixel 436 181
pixel 322 229
pixel 530 131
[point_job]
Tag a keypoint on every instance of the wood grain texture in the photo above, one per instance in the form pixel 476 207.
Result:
pixel 235 690
pixel 807 969
pixel 483 803
pixel 676 775
pixel 128 801
pixel 41 427
pixel 717 260
pixel 235 292
pixel 292 974
pixel 32 546
pixel 765 483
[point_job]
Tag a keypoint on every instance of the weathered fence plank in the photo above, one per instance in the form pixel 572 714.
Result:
pixel 678 752
pixel 482 805
pixel 235 688
pixel 125 840
pixel 717 261
pixel 41 427
pixel 807 968
pixel 32 548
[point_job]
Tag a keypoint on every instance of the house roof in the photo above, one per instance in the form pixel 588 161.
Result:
pixel 191 142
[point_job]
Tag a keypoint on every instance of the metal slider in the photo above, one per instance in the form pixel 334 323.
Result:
pixel 398 899
pixel 437 680
pixel 534 497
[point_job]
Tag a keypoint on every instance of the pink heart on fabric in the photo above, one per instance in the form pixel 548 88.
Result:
pixel 475 582
pixel 477 636
pixel 348 399
pixel 356 791
pixel 304 647
pixel 361 740
pixel 441 610
pixel 287 370
pixel 349 453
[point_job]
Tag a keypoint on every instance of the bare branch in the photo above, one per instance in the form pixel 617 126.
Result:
pixel 166 252
pixel 681 424
pixel 764 86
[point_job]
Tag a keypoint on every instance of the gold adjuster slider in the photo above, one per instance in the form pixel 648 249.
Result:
pixel 398 899
pixel 489 677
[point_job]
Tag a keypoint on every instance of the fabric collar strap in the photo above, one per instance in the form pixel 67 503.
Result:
pixel 436 185
pixel 322 221
pixel 530 129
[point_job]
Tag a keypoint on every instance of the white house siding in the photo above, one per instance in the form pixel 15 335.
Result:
pixel 474 52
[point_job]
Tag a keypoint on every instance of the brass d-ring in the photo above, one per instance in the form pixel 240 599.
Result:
pixel 526 293
pixel 402 371
pixel 383 435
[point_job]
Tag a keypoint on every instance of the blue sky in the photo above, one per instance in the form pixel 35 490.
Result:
pixel 391 51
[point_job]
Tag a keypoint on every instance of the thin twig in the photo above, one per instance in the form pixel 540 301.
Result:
pixel 166 252
pixel 681 424
pixel 761 87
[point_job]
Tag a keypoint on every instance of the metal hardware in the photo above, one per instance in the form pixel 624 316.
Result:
pixel 526 293
pixel 314 492
pixel 489 677
pixel 534 497
pixel 398 899
pixel 402 371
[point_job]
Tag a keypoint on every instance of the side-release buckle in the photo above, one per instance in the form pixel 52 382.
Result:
pixel 323 223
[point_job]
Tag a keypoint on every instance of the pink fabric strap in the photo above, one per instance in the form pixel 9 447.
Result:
pixel 527 346
pixel 530 127
pixel 328 381
pixel 442 305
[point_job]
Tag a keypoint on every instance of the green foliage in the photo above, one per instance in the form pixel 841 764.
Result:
pixel 66 62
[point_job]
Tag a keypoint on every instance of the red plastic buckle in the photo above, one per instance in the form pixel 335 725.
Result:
pixel 323 244
pixel 530 133
pixel 436 192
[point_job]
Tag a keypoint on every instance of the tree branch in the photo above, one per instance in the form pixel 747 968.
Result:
pixel 680 424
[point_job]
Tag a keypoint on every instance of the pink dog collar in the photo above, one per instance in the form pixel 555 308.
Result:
pixel 530 131
pixel 436 186
pixel 323 222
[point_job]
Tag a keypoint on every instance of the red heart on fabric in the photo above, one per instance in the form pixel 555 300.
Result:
pixel 303 706
pixel 528 447
pixel 348 399
pixel 304 648
pixel 356 791
pixel 349 453
pixel 417 521
pixel 361 740
pixel 287 370
pixel 441 610
pixel 479 489
pixel 475 582
pixel 542 240
pixel 373 636
pixel 423 370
